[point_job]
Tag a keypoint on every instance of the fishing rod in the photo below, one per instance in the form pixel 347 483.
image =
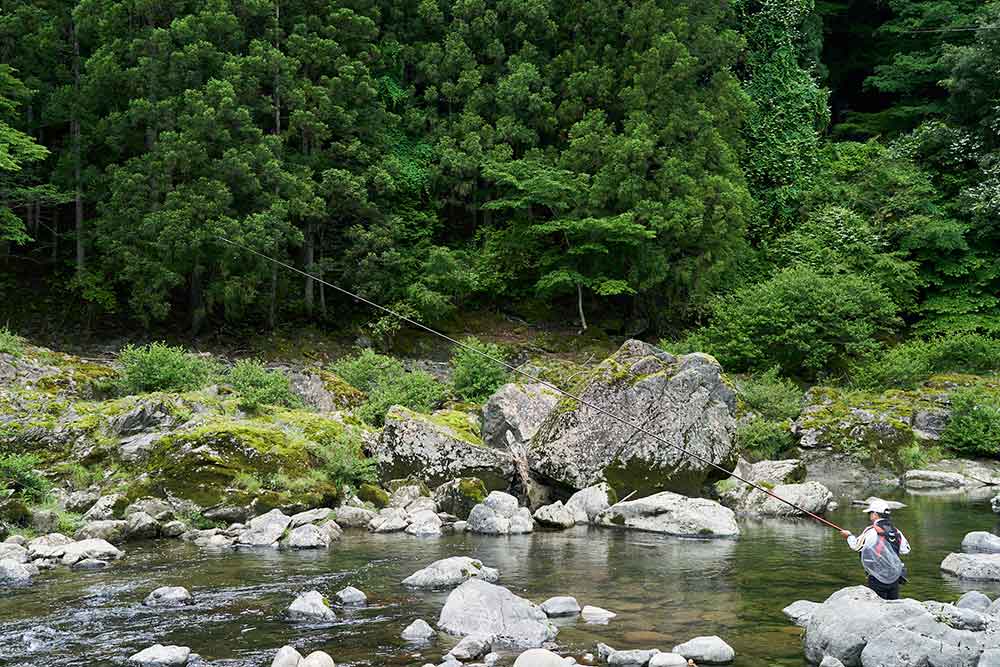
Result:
pixel 533 378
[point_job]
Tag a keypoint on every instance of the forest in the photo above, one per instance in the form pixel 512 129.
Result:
pixel 781 182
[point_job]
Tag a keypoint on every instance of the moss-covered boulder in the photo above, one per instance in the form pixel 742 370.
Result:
pixel 512 415
pixel 324 390
pixel 437 448
pixel 377 496
pixel 682 400
pixel 459 496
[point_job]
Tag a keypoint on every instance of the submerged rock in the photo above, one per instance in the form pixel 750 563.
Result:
pixel 351 596
pixel 513 414
pixel 419 630
pixel 168 596
pixel 592 614
pixel 682 400
pixel 158 655
pixel 500 514
pixel 706 650
pixel 311 606
pixel 479 607
pixel 673 514
pixel 450 572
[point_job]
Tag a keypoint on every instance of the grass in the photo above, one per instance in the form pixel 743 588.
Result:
pixel 11 343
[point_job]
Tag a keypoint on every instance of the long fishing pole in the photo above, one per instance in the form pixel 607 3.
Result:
pixel 515 369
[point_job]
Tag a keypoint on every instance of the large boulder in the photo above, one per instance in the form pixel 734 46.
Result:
pixel 311 606
pixel 424 523
pixel 354 517
pixel 265 530
pixel 976 567
pixel 672 514
pixel 94 549
pixel 438 448
pixel 500 514
pixel 682 400
pixel 479 607
pixel 450 572
pixel 513 414
pixel 112 531
pixel 459 496
pixel 307 536
pixel 706 651
pixel 555 515
pixel 784 479
pixel 980 541
pixel 539 657
pixel 587 503
pixel 158 655
pixel 13 572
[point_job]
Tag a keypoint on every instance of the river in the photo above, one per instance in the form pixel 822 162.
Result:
pixel 664 590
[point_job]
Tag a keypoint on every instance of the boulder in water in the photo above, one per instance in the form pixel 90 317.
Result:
pixel 389 520
pixel 109 530
pixel 307 536
pixel 265 530
pixel 424 523
pixel 784 479
pixel 311 606
pixel 168 596
pixel 471 647
pixel 287 656
pixel 419 630
pixel 706 650
pixel 800 612
pixel 459 496
pixel 592 614
pixel 980 541
pixel 673 514
pixel 351 596
pixel 500 514
pixel 96 549
pixel 513 414
pixel 158 655
pixel 562 605
pixel 450 572
pixel 354 517
pixel 668 660
pixel 15 552
pixel 978 567
pixel 539 657
pixel 479 607
pixel 555 515
pixel 682 400
pixel 975 601
pixel 16 573
pixel 317 659
pixel 631 658
pixel 141 526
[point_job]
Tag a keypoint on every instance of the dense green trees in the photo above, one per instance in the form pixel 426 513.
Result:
pixel 669 163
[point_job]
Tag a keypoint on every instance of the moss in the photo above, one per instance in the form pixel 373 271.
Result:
pixel 344 395
pixel 618 520
pixel 472 489
pixel 640 477
pixel 724 486
pixel 373 494
pixel 459 425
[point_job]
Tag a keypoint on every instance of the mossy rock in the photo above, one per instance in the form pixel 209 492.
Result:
pixel 375 495
pixel 460 495
pixel 394 485
pixel 344 395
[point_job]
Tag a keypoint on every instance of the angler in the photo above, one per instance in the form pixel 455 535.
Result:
pixel 880 545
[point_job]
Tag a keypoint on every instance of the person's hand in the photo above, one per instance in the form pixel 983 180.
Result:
pixel 845 533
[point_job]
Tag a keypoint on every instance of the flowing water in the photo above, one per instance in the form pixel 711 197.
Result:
pixel 665 591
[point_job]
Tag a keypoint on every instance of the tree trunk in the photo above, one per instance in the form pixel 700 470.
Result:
pixel 75 129
pixel 579 305
pixel 308 253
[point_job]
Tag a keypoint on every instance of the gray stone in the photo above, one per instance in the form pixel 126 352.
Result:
pixel 16 573
pixel 286 656
pixel 416 446
pixel 587 503
pixel 632 657
pixel 90 564
pixel 830 661
pixel 604 651
pixel 472 646
pixel 562 605
pixel 422 504
pixel 785 479
pixel 555 515
pixel 318 515
pixel 173 529
pixel 137 447
pixel 930 424
pixel 978 567
pixel 107 508
pixel 975 601
pixel 450 572
pixel 800 612
pixel 513 414
pixel 405 495
pixel 332 530
pixel 15 552
pixel 81 501
pixel 934 479
pixel 980 541
pixel 682 400
pixel 112 531
pixel 141 526
pixel 389 520
pixel 459 496
pixel 90 548
pixel 673 514
pixel 499 514
pixel 154 507
pixel 227 513
pixel 668 660
pixel 351 596
pixel 539 657
pixel 479 607
pixel 424 523
pixel 19 540
pixel 317 659
pixel 168 596
pixel 158 655
pixel 44 521
pixel 146 416
pixel 311 606
pixel 419 630
pixel 592 614
pixel 354 517
pixel 52 545
pixel 265 530
pixel 706 650
pixel 306 536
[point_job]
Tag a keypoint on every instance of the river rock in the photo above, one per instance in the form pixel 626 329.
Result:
pixel 230 514
pixel 16 573
pixel 141 526
pixel 587 503
pixel 306 536
pixel 158 655
pixel 424 523
pixel 44 521
pixel 830 661
pixel 450 572
pixel 555 515
pixel 539 657
pixel 459 496
pixel 980 541
pixel 112 531
pixel 429 448
pixel 90 564
pixel 810 496
pixel 706 650
pixel 499 514
pixel 311 606
pixel 405 495
pixel 286 656
pixel 784 478
pixel 479 607
pixel 800 612
pixel 632 657
pixel 107 508
pixel 317 659
pixel 168 596
pixel 318 515
pixel 592 614
pixel 265 530
pixel 673 514
pixel 15 552
pixel 90 548
pixel 173 529
pixel 48 546
pixel 975 601
pixel 354 517
pixel 81 501
pixel 419 630
pixel 668 660
pixel 562 605
pixel 351 596
pixel 682 400
pixel 389 520
pixel 422 504
pixel 980 567
pixel 19 540
pixel 471 647
pixel 513 414
pixel 934 479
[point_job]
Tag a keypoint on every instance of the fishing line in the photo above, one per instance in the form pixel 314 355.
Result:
pixel 515 369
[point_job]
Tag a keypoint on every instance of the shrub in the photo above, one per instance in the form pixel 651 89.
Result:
pixel 693 341
pixel 11 343
pixel 19 475
pixel 474 377
pixel 802 321
pixel 760 439
pixel 367 369
pixel 160 367
pixel 258 386
pixel 974 427
pixel 771 396
pixel 342 460
pixel 912 362
pixel 387 383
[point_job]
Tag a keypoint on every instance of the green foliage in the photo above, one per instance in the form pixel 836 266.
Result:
pixel 474 378
pixel 386 383
pixel 806 323
pixel 160 367
pixel 258 386
pixel 342 460
pixel 974 426
pixel 771 396
pixel 11 343
pixel 761 439
pixel 19 475
pixel 910 363
pixel 367 369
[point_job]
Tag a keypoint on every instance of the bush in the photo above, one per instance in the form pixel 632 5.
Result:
pixel 760 439
pixel 258 386
pixel 19 475
pixel 342 460
pixel 160 367
pixel 806 323
pixel 11 343
pixel 386 383
pixel 771 396
pixel 912 362
pixel 974 427
pixel 474 377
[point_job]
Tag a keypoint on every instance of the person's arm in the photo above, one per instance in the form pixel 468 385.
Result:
pixel 858 543
pixel 904 546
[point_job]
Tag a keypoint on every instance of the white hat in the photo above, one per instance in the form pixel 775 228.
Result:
pixel 878 506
